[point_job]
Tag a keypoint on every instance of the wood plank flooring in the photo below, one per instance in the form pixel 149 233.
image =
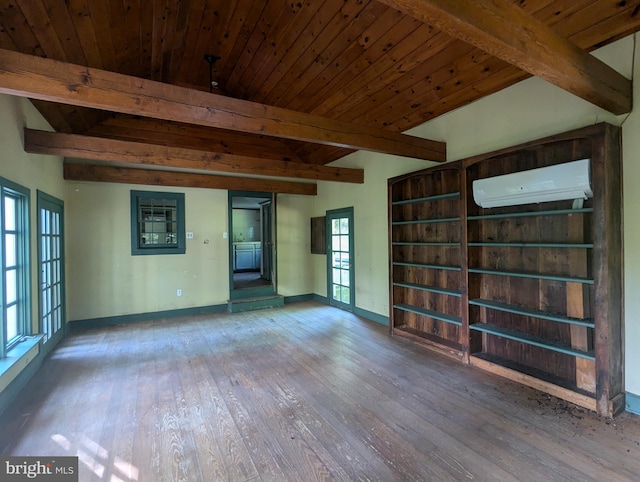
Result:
pixel 303 393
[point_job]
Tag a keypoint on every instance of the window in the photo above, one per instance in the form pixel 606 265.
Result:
pixel 14 239
pixel 157 223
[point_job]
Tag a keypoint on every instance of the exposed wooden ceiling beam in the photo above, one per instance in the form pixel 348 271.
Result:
pixel 96 148
pixel 92 173
pixel 506 31
pixel 156 131
pixel 45 79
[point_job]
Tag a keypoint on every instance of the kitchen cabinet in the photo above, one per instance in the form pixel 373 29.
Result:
pixel 256 258
pixel 246 256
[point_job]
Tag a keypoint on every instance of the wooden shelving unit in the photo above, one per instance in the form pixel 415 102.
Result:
pixel 524 316
pixel 425 258
pixel 530 292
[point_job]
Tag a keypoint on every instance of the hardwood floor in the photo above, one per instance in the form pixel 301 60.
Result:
pixel 306 392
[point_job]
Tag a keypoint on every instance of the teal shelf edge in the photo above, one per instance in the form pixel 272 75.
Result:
pixel 431 289
pixel 532 276
pixel 451 195
pixel 531 340
pixel 531 245
pixel 429 266
pixel 530 213
pixel 409 243
pixel 426 221
pixel 436 315
pixel 519 310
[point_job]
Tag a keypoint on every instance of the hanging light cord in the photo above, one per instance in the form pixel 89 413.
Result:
pixel 212 59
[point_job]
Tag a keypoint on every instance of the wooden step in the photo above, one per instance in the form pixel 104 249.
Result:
pixel 257 303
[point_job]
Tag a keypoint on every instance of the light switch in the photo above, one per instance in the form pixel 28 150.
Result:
pixel 189 235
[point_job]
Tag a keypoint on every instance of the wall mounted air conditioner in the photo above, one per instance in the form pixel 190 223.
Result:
pixel 570 180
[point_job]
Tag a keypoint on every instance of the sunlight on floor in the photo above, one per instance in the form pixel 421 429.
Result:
pixel 97 459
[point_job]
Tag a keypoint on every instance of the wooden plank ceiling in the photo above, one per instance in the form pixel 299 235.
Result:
pixel 386 66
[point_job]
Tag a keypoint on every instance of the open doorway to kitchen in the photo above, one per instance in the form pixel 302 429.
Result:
pixel 252 244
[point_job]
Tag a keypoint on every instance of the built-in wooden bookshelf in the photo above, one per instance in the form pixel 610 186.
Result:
pixel 530 292
pixel 425 257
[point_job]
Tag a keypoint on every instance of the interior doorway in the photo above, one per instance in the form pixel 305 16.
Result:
pixel 251 244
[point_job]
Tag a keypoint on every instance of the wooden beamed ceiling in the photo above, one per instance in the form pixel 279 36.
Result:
pixel 50 80
pixel 505 31
pixel 114 150
pixel 82 172
pixel 299 85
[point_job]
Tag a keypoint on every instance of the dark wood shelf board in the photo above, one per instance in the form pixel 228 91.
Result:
pixel 554 212
pixel 436 315
pixel 568 279
pixel 447 347
pixel 431 289
pixel 534 372
pixel 540 380
pixel 531 245
pixel 417 243
pixel 438 197
pixel 520 310
pixel 426 221
pixel 429 266
pixel 531 340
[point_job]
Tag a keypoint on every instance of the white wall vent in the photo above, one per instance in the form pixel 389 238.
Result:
pixel 570 180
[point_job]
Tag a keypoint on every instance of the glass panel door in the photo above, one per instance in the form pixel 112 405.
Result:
pixel 341 289
pixel 50 260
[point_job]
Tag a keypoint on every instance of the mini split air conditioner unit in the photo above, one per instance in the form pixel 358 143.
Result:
pixel 570 180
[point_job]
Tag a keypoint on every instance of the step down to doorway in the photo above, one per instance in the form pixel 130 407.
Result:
pixel 258 303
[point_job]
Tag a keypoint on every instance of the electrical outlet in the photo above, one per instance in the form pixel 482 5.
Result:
pixel 179 292
pixel 189 235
